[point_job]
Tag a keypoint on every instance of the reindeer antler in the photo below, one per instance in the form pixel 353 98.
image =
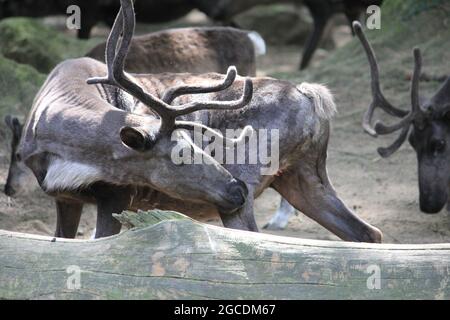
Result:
pixel 116 52
pixel 377 94
pixel 172 93
pixel 380 101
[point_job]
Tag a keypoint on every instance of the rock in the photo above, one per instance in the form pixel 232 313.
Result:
pixel 29 41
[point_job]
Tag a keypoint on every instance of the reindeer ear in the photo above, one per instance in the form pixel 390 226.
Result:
pixel 14 124
pixel 136 139
pixel 17 127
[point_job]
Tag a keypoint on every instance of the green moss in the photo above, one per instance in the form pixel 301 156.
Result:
pixel 28 51
pixel 28 41
pixel 18 86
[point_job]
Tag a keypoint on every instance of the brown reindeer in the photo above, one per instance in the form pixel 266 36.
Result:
pixel 84 144
pixel 192 50
pixel 426 126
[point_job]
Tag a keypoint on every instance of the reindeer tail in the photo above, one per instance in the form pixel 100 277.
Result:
pixel 258 43
pixel 323 101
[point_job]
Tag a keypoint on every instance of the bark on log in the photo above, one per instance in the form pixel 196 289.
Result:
pixel 179 258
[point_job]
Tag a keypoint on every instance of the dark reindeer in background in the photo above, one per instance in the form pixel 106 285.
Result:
pixel 426 126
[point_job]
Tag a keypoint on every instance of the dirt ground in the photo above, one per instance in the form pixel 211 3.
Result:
pixel 382 192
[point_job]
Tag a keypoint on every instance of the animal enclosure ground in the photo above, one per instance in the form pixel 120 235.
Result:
pixel 383 192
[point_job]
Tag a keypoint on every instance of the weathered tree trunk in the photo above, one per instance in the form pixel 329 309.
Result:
pixel 179 258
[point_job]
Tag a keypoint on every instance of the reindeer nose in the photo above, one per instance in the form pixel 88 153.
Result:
pixel 430 207
pixel 238 192
pixel 9 191
pixel 432 203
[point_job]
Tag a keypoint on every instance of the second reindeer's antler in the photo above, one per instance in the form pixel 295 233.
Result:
pixel 117 48
pixel 378 99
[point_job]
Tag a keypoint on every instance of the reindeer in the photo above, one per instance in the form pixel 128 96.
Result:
pixel 426 126
pixel 176 50
pixel 192 50
pixel 84 145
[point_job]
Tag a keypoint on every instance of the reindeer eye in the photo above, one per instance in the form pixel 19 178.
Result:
pixel 18 157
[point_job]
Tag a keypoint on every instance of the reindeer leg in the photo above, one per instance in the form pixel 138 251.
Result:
pixel 85 29
pixel 320 15
pixel 280 219
pixel 68 215
pixel 309 190
pixel 110 199
pixel 243 219
pixel 352 14
pixel 90 11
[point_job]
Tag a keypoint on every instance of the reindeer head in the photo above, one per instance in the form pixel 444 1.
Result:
pixel 430 138
pixel 208 181
pixel 427 124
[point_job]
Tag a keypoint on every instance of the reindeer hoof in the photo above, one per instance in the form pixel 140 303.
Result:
pixel 273 226
pixel 375 236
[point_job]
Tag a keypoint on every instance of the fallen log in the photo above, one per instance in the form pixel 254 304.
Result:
pixel 169 256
